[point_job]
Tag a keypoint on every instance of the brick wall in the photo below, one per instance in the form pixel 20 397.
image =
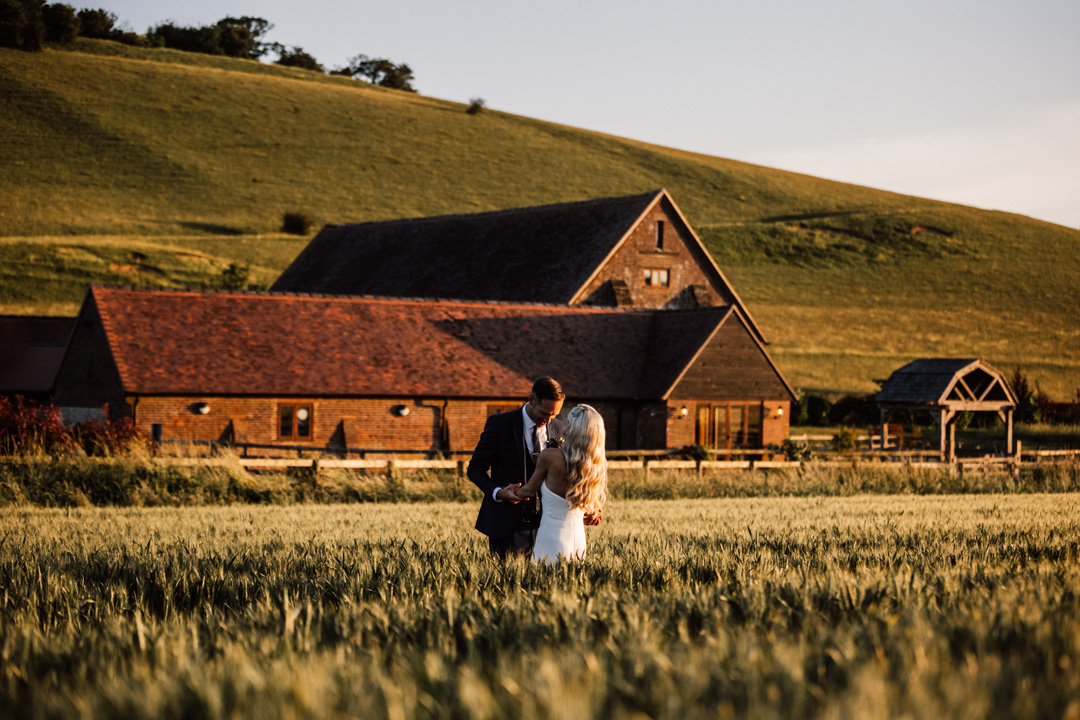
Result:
pixel 680 256
pixel 680 428
pixel 374 423
pixel 776 425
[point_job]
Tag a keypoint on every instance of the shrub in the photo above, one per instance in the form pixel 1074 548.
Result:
pixel 794 451
pixel 28 427
pixel 206 40
pixel 112 437
pixel 297 223
pixel 476 105
pixel 845 441
pixel 235 277
pixel 695 452
pixel 298 58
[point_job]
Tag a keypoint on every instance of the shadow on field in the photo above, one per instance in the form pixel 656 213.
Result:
pixel 211 228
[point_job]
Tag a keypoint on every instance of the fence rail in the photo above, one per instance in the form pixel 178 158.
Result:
pixel 888 459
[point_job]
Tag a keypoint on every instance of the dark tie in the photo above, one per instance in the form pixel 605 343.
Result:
pixel 535 440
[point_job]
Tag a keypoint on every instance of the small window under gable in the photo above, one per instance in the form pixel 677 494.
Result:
pixel 656 278
pixel 659 234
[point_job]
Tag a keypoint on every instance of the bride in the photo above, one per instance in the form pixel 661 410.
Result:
pixel 572 480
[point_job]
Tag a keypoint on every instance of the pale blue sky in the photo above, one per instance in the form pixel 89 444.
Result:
pixel 976 102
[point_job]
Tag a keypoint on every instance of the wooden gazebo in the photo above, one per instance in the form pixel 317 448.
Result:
pixel 946 387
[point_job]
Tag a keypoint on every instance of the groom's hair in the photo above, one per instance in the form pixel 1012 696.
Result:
pixel 547 388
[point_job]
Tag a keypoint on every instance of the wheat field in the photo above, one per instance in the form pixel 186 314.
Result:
pixel 830 607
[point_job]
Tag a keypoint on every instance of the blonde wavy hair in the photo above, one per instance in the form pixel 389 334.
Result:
pixel 586 464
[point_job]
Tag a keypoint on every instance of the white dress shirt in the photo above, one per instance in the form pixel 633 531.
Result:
pixel 541 435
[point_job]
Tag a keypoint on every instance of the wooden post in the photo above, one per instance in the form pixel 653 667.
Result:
pixel 884 430
pixel 1009 433
pixel 943 434
pixel 461 468
pixel 952 439
pixel 645 464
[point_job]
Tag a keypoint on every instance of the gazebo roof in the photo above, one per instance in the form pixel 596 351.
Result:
pixel 959 383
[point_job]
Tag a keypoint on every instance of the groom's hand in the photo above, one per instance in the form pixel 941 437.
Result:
pixel 508 494
pixel 591 519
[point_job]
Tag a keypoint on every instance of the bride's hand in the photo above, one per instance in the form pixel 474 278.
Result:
pixel 521 492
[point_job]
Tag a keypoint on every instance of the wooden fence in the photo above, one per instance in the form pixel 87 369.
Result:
pixel 662 460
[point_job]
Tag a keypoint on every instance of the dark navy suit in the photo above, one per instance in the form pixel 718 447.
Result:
pixel 502 459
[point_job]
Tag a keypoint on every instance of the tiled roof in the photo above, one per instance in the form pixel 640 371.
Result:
pixel 534 254
pixel 215 343
pixel 928 380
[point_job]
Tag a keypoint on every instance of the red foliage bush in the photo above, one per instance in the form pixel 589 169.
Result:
pixel 28 427
pixel 107 438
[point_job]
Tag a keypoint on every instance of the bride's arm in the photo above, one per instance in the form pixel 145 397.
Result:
pixel 543 465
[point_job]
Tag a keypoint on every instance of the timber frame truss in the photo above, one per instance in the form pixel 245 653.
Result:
pixel 973 387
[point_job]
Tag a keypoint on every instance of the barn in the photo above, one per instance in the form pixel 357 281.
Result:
pixel 376 374
pixel 634 251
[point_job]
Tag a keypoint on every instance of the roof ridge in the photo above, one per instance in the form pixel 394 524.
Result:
pixel 504 211
pixel 665 312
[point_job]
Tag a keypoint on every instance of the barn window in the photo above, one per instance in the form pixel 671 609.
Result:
pixel 656 278
pixel 295 421
pixel 495 409
pixel 660 235
pixel 731 425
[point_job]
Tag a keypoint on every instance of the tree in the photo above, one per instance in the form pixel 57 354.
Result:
pixel 398 77
pixel 296 57
pixel 21 25
pixel 242 37
pixel 380 71
pixel 97 23
pixel 61 23
pixel 476 105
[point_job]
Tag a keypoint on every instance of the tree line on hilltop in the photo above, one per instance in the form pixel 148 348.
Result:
pixel 30 24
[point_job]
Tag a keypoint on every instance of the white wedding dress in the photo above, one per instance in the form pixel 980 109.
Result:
pixel 562 529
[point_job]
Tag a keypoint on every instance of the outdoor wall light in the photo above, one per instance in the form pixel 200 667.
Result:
pixel 401 410
pixel 202 408
pixel 683 411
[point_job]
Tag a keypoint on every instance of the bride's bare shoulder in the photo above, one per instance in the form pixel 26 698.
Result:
pixel 554 456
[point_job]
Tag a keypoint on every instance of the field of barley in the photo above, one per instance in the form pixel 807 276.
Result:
pixel 831 607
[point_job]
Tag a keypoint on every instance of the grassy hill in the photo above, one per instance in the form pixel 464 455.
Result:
pixel 156 167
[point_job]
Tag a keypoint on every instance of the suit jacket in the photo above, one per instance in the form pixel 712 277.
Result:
pixel 501 459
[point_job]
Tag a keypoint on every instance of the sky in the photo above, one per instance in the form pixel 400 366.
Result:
pixel 968 101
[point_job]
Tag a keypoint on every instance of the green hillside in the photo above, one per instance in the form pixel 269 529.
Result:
pixel 156 167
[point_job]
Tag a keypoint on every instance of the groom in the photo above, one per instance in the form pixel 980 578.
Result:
pixel 505 458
